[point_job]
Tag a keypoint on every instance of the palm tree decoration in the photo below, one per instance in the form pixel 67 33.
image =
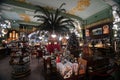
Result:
pixel 54 20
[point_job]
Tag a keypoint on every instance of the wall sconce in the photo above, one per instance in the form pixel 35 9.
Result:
pixel 13 35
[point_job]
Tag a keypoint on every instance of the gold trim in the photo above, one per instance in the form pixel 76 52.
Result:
pixel 99 22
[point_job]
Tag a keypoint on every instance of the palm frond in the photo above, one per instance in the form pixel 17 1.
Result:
pixel 56 20
pixel 40 20
pixel 42 10
pixel 65 21
pixel 41 16
pixel 59 19
pixel 56 15
pixel 52 16
pixel 63 10
pixel 58 11
pixel 62 5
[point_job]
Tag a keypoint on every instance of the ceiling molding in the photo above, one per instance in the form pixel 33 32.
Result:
pixel 90 10
pixel 106 13
pixel 108 20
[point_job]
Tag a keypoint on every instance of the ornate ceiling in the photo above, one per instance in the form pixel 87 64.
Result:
pixel 23 10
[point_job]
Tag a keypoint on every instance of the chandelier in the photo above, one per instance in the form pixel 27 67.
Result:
pixel 53 35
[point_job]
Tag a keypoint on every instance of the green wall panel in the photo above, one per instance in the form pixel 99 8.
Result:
pixel 106 13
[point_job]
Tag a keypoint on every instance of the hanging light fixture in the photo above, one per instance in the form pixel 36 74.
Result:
pixel 53 35
pixel 40 37
pixel 67 36
pixel 60 38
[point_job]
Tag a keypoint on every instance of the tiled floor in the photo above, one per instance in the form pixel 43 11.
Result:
pixel 37 72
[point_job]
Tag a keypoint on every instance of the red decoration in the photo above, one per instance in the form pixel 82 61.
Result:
pixel 58 59
pixel 51 47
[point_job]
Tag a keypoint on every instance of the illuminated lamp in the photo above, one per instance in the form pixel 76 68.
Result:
pixel 53 35
pixel 67 37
